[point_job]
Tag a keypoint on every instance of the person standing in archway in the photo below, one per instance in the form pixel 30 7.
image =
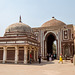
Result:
pixel 65 57
pixel 39 58
pixel 47 57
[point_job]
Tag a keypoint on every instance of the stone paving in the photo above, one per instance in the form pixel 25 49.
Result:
pixel 45 68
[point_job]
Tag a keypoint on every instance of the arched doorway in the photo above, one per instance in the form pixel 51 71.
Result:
pixel 50 42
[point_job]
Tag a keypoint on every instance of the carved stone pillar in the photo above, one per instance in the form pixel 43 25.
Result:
pixel 74 46
pixel 16 55
pixel 37 55
pixel 74 60
pixel 25 54
pixel 4 54
pixel 34 56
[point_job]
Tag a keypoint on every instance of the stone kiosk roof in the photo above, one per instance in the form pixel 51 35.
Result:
pixel 18 43
pixel 19 34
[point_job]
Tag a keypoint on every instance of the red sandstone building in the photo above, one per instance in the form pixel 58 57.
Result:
pixel 55 30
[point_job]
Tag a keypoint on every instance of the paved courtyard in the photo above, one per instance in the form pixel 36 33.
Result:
pixel 45 68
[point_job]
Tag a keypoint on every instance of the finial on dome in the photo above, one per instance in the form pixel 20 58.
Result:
pixel 20 19
pixel 53 18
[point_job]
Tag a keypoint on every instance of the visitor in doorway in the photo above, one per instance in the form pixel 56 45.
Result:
pixel 52 56
pixel 49 54
pixel 61 60
pixel 55 55
pixel 30 58
pixel 47 57
pixel 65 57
pixel 39 58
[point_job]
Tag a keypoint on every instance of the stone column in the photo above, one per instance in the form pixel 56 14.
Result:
pixel 58 46
pixel 16 55
pixel 29 55
pixel 45 49
pixel 34 56
pixel 37 55
pixel 25 54
pixel 74 46
pixel 74 60
pixel 4 54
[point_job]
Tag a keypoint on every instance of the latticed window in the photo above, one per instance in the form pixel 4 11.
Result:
pixel 65 34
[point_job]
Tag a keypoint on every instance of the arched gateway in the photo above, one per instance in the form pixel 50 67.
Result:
pixel 50 38
pixel 55 30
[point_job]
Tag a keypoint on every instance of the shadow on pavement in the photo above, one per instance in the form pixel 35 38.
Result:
pixel 42 63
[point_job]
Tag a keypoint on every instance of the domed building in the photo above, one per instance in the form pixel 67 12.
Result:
pixel 56 31
pixel 18 43
pixel 21 43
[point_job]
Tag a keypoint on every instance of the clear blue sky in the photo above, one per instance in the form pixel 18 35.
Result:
pixel 35 12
